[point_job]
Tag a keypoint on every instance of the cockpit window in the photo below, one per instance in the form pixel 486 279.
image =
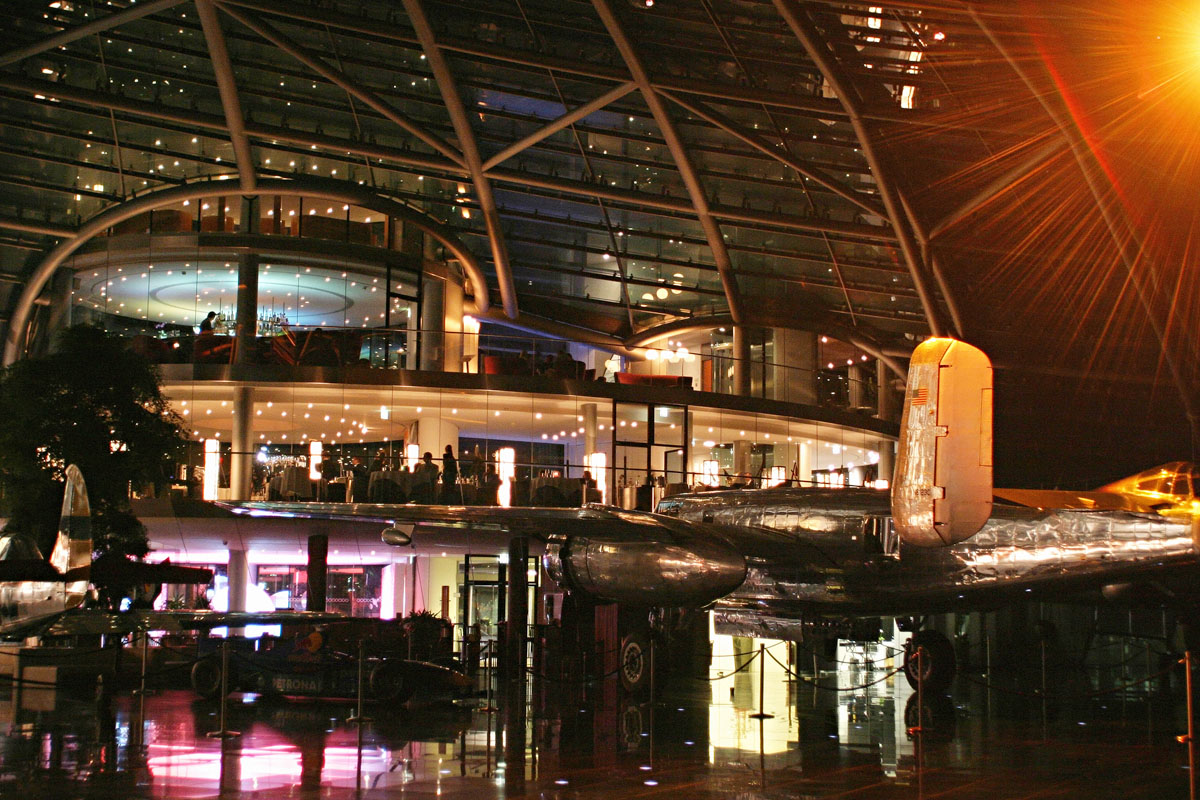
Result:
pixel 1182 486
pixel 1152 484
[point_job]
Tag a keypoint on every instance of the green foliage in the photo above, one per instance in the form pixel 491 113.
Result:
pixel 95 404
pixel 428 635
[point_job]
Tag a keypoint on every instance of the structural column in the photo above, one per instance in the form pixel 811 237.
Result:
pixel 514 657
pixel 318 571
pixel 241 460
pixel 804 454
pixel 238 569
pixel 795 366
pixel 742 456
pixel 434 430
pixel 887 459
pixel 857 388
pixel 885 397
pixel 589 428
pixel 741 362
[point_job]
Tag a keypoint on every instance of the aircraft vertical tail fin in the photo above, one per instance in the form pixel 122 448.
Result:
pixel 72 553
pixel 942 493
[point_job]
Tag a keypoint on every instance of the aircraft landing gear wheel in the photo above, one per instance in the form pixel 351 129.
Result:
pixel 937 664
pixel 206 678
pixel 387 683
pixel 633 662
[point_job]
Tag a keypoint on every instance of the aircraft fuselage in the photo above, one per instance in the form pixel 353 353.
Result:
pixel 834 553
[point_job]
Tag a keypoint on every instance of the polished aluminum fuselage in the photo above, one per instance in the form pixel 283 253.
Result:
pixel 831 552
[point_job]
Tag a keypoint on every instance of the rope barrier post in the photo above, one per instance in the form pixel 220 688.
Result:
pixel 762 673
pixel 918 730
pixel 1189 738
pixel 141 690
pixel 987 642
pixel 1045 716
pixel 359 717
pixel 487 678
pixel 224 732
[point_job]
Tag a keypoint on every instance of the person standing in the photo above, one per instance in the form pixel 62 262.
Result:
pixel 449 474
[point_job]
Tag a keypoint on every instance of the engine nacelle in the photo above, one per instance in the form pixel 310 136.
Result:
pixel 691 572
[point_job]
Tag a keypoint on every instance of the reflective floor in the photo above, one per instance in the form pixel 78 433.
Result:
pixel 697 739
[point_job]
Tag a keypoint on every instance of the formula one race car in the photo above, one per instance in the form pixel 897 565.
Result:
pixel 324 662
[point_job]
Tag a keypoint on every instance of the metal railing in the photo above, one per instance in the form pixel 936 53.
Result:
pixel 847 386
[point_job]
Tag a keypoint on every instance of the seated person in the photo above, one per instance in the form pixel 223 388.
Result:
pixel 489 488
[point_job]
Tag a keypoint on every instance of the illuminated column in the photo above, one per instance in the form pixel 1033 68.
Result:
pixel 470 348
pixel 589 427
pixel 433 321
pixel 804 454
pixel 595 462
pixel 212 468
pixel 452 324
pixel 239 576
pixel 887 459
pixel 389 593
pixel 742 452
pixel 741 363
pixel 434 430
pixel 241 465
pixel 506 468
pixel 314 460
pixel 795 366
pixel 402 587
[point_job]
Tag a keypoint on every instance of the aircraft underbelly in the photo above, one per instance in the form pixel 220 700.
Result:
pixel 1016 554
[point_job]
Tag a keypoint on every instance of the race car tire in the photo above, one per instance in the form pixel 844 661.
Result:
pixel 387 683
pixel 206 678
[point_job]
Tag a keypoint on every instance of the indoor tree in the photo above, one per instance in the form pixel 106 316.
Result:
pixel 93 403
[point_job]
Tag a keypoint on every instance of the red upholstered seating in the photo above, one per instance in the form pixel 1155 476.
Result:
pixel 631 379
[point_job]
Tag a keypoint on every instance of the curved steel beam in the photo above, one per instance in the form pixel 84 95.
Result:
pixel 995 187
pixel 814 45
pixel 470 149
pixel 423 161
pixel 714 117
pixel 529 323
pixel 223 71
pixel 712 231
pixel 313 187
pixel 87 29
pixel 32 226
pixel 555 125
pixel 339 78
pixel 657 333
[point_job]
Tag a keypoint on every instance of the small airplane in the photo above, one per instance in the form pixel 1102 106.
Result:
pixel 791 563
pixel 40 597
pixel 1168 489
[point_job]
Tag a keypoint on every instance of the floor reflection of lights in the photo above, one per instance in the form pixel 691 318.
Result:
pixel 824 737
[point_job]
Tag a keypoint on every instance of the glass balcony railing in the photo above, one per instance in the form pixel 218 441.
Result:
pixel 852 387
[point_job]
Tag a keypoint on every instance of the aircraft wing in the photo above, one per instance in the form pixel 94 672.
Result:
pixel 605 553
pixel 28 569
pixel 1056 498
pixel 543 524
pixel 82 621
pixel 118 571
